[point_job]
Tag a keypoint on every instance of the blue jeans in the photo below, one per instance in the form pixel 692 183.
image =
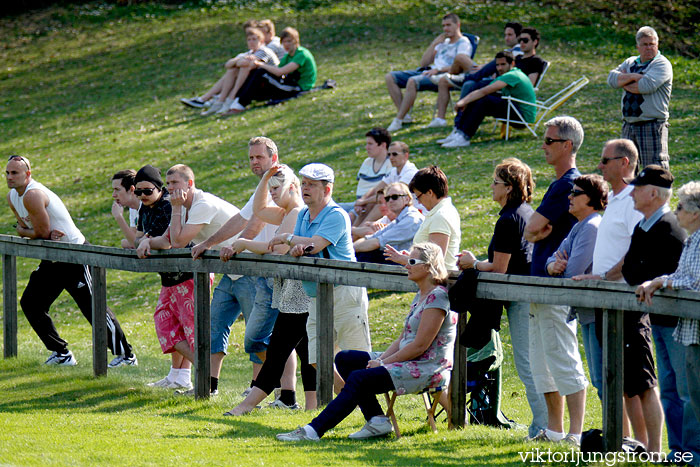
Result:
pixel 423 83
pixel 258 328
pixel 230 299
pixel 361 385
pixel 519 323
pixel 682 427
pixel 594 356
pixel 473 85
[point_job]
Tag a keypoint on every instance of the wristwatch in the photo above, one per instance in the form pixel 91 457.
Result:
pixel 664 284
pixel 289 239
pixel 603 276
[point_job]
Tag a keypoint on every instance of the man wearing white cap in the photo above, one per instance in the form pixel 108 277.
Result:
pixel 325 226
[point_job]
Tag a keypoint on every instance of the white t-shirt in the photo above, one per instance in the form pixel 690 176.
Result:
pixel 367 178
pixel 134 216
pixel 211 211
pixel 446 52
pixel 615 231
pixel 269 230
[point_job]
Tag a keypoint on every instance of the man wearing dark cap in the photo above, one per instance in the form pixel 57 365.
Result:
pixel 174 326
pixel 41 214
pixel 655 248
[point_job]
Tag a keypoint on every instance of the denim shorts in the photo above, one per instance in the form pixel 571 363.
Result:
pixel 230 299
pixel 423 83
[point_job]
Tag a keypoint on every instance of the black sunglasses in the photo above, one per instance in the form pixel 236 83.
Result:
pixel 394 153
pixel 415 261
pixel 575 193
pixel 524 40
pixel 549 141
pixel 394 197
pixel 143 191
pixel 605 160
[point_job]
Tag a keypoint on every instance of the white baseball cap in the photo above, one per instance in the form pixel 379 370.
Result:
pixel 318 171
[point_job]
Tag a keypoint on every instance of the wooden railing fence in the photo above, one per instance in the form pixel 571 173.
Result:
pixel 613 298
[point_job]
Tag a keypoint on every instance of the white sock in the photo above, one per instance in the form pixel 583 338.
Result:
pixel 184 376
pixel 172 376
pixel 554 435
pixel 578 437
pixel 310 432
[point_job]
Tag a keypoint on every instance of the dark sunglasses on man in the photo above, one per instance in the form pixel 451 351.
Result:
pixel 144 191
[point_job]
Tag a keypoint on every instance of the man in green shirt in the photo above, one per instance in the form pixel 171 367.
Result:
pixel 476 105
pixel 295 73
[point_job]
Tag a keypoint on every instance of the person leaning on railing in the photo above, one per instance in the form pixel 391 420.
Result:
pixel 508 253
pixel 686 276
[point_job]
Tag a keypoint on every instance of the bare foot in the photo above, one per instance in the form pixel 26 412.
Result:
pixel 238 410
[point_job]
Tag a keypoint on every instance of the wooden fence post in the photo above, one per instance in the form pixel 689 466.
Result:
pixel 324 346
pixel 458 383
pixel 9 292
pixel 99 320
pixel 613 371
pixel 202 344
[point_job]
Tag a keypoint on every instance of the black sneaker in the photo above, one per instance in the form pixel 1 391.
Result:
pixel 194 102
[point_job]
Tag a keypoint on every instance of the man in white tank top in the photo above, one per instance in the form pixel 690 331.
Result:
pixel 41 214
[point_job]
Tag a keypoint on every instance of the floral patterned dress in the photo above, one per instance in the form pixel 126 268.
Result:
pixel 432 369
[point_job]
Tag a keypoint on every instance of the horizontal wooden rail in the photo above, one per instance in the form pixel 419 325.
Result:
pixel 613 298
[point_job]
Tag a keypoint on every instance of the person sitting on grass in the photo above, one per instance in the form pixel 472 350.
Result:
pixel 400 232
pixel 289 332
pixel 271 40
pixel 237 71
pixel 296 73
pixel 420 358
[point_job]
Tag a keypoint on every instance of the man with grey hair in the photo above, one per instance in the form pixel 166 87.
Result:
pixel 556 364
pixel 237 292
pixel 647 80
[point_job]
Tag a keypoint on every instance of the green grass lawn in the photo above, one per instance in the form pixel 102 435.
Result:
pixel 89 90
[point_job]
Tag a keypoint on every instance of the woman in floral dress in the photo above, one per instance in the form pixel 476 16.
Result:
pixel 420 358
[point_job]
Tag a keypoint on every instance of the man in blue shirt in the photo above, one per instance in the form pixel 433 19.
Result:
pixel 324 228
pixel 554 357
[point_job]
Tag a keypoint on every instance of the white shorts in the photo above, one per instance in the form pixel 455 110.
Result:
pixel 554 357
pixel 350 322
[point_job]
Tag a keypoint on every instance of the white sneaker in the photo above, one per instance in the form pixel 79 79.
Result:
pixel 195 102
pixel 177 385
pixel 380 427
pixel 278 404
pixel 408 118
pixel 449 137
pixel 211 101
pixel 215 107
pixel 121 360
pixel 225 108
pixel 236 106
pixel 190 392
pixel 297 435
pixel 459 141
pixel 161 383
pixel 395 125
pixel 63 359
pixel 437 123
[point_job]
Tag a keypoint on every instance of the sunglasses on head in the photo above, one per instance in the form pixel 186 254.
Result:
pixel 549 140
pixel 415 261
pixel 143 191
pixel 605 160
pixel 576 193
pixel 393 197
pixel 18 158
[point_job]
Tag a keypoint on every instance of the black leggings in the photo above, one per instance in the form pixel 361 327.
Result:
pixel 288 334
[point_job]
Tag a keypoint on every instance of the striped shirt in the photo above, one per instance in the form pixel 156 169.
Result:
pixel 687 276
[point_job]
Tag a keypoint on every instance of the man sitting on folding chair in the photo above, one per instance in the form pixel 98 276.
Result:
pixel 476 105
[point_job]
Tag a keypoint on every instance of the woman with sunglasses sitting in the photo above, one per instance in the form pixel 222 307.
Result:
pixel 441 225
pixel 398 233
pixel 420 358
pixel 512 188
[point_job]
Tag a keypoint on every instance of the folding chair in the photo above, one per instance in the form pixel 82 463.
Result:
pixel 544 109
pixel 430 407
pixel 545 67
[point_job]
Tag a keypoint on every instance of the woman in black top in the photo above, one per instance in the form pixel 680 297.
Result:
pixel 510 253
